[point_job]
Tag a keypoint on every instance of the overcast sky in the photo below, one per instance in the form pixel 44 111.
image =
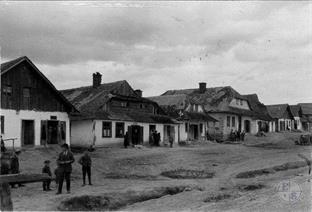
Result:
pixel 255 47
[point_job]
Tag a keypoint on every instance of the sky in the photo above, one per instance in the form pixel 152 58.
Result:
pixel 254 46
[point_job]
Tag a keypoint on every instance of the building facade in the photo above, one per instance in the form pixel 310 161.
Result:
pixel 109 110
pixel 282 117
pixel 33 112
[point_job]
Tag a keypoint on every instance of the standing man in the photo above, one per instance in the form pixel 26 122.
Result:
pixel 65 159
pixel 85 162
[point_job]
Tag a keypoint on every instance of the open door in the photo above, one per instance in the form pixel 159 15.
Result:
pixel 28 132
pixel 44 133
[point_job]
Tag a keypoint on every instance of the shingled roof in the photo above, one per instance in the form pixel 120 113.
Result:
pixel 278 111
pixel 294 109
pixel 7 66
pixel 259 108
pixel 306 108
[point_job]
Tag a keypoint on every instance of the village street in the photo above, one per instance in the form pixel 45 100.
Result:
pixel 125 173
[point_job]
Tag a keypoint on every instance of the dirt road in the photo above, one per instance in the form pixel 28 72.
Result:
pixel 209 171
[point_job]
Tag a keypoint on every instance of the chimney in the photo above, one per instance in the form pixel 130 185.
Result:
pixel 202 87
pixel 138 92
pixel 97 79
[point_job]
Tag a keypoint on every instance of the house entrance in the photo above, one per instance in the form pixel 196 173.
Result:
pixel 135 133
pixel 169 132
pixel 194 131
pixel 28 132
pixel 247 126
pixel 53 132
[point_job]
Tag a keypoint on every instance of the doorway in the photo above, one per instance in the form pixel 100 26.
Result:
pixel 52 132
pixel 135 133
pixel 194 131
pixel 28 132
pixel 247 126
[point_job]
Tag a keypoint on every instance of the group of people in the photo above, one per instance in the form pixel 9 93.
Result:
pixel 237 135
pixel 154 138
pixel 64 169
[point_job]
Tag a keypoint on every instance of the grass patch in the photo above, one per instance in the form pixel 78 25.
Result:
pixel 188 174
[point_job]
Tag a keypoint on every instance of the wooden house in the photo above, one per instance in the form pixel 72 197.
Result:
pixel 194 122
pixel 108 110
pixel 231 109
pixel 305 113
pixel 282 116
pixel 32 110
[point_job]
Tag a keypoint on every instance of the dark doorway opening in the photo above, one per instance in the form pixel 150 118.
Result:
pixel 247 126
pixel 28 132
pixel 53 132
pixel 135 133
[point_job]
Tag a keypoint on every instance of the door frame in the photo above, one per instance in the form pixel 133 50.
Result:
pixel 22 133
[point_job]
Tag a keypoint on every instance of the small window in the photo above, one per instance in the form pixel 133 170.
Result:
pixel 241 102
pixel 107 129
pixel 120 128
pixel 7 90
pixel 53 117
pixel 26 98
pixel 2 124
pixel 141 106
pixel 123 104
pixel 233 121
pixel 228 121
pixel 186 127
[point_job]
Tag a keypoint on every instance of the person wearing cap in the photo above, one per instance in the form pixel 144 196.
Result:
pixel 46 169
pixel 85 162
pixel 65 159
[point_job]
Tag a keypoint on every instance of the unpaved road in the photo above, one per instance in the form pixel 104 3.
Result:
pixel 140 170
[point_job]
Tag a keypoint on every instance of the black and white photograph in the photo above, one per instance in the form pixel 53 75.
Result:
pixel 156 106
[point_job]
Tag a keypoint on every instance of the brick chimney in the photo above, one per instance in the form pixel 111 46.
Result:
pixel 202 87
pixel 138 92
pixel 97 79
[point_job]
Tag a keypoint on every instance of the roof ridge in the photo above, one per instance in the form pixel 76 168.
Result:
pixel 89 86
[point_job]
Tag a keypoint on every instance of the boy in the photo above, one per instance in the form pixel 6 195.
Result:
pixel 57 174
pixel 46 169
pixel 85 162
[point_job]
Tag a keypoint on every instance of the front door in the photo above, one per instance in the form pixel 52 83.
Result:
pixel 28 132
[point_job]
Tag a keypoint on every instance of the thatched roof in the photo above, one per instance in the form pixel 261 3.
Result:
pixel 306 108
pixel 279 111
pixel 256 106
pixel 294 109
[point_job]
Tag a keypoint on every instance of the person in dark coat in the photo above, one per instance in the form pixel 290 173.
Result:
pixel 126 140
pixel 46 169
pixel 65 159
pixel 85 162
pixel 171 141
pixel 15 168
pixel 3 149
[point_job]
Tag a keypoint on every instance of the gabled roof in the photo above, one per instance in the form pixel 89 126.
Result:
pixel 177 100
pixel 7 66
pixel 277 111
pixel 306 108
pixel 89 99
pixel 259 108
pixel 294 109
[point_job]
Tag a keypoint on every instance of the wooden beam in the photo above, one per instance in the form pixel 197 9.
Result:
pixel 24 178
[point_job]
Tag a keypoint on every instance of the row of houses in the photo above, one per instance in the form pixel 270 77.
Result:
pixel 34 112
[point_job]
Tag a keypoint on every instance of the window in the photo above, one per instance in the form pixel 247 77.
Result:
pixel 237 101
pixel 241 102
pixel 186 127
pixel 141 106
pixel 228 121
pixel 124 104
pixel 26 98
pixel 120 128
pixel 2 124
pixel 107 129
pixel 233 121
pixel 7 96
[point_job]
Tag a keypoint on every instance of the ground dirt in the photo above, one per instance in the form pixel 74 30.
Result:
pixel 207 177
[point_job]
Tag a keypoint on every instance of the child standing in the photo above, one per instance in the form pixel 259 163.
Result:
pixel 85 162
pixel 57 175
pixel 46 169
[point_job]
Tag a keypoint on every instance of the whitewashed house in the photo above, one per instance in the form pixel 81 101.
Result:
pixel 109 110
pixel 32 110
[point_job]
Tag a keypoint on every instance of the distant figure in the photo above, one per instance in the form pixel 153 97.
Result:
pixel 237 135
pixel 171 141
pixel 126 140
pixel 57 174
pixel 46 169
pixel 3 149
pixel 85 162
pixel 151 138
pixel 15 168
pixel 65 159
pixel 243 135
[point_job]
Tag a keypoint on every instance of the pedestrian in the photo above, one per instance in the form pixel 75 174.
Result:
pixel 151 138
pixel 86 162
pixel 171 141
pixel 46 169
pixel 65 159
pixel 3 149
pixel 243 135
pixel 126 140
pixel 57 174
pixel 15 168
